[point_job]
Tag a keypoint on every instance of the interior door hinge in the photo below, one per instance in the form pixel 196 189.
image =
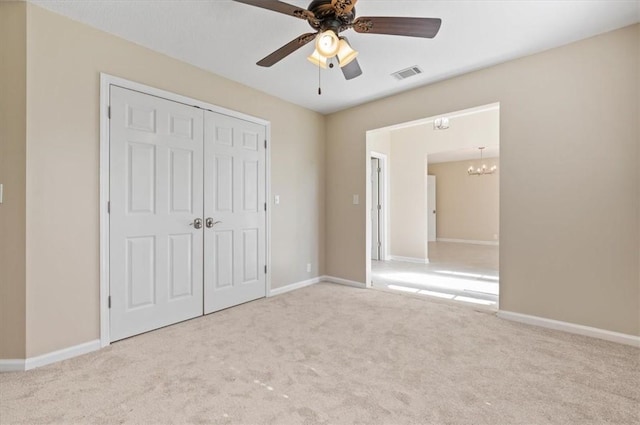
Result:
pixel 265 143
pixel 379 243
pixel 109 301
pixel 379 170
pixel 265 269
pixel 379 207
pixel 109 112
pixel 108 207
pixel 265 206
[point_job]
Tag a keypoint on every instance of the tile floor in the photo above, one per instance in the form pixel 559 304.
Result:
pixel 456 271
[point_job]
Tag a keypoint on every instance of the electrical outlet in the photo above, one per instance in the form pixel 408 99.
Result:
pixel 276 199
pixel 308 267
pixel 356 199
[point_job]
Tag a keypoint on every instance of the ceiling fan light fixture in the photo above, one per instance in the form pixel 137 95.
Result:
pixel 327 44
pixel 346 54
pixel 317 59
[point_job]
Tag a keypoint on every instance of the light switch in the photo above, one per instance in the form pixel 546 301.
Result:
pixel 1 192
pixel 356 199
pixel 276 199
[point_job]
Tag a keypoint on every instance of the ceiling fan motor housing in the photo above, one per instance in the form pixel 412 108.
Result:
pixel 327 19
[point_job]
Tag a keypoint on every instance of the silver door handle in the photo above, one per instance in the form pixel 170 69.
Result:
pixel 210 223
pixel 197 223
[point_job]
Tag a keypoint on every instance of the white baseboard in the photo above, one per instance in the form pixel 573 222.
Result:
pixel 409 259
pixel 305 283
pixel 346 282
pixel 491 243
pixel 571 328
pixel 16 365
pixel 294 286
pixel 12 365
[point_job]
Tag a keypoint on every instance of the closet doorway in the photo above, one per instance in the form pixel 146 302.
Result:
pixel 187 218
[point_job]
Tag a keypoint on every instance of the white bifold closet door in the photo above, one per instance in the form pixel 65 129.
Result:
pixel 234 202
pixel 187 212
pixel 156 192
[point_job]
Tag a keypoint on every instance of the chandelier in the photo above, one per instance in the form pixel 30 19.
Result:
pixel 482 170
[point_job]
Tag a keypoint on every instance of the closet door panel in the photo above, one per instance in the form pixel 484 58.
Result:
pixel 234 187
pixel 156 148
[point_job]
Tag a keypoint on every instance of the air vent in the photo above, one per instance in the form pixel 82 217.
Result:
pixel 406 73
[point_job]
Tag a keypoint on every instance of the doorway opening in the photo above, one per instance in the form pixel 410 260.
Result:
pixel 434 206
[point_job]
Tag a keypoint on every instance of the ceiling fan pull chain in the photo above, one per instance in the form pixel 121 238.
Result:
pixel 319 81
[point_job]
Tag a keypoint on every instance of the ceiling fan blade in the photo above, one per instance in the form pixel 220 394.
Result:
pixel 352 70
pixel 287 49
pixel 411 27
pixel 343 7
pixel 278 6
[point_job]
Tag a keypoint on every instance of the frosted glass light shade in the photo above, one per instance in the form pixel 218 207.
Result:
pixel 317 59
pixel 345 53
pixel 327 44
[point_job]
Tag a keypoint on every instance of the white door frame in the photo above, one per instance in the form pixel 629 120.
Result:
pixel 376 248
pixel 106 81
pixel 384 216
pixel 432 217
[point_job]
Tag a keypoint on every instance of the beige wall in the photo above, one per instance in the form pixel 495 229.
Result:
pixel 380 142
pixel 13 108
pixel 408 194
pixel 64 61
pixel 467 206
pixel 568 178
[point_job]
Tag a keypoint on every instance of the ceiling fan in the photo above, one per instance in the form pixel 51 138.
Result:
pixel 331 17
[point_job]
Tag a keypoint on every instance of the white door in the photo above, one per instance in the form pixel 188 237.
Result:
pixel 375 209
pixel 156 193
pixel 431 205
pixel 234 185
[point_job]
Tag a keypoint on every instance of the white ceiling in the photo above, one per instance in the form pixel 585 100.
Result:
pixel 468 130
pixel 228 38
pixel 463 154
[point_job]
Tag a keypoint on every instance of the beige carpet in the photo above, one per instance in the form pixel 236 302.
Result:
pixel 337 355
